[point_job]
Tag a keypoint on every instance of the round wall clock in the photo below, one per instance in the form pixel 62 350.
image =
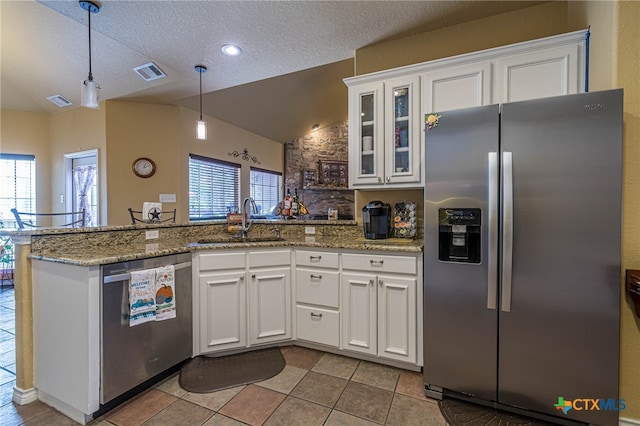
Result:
pixel 144 167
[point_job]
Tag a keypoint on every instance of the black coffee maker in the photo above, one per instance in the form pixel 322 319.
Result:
pixel 376 219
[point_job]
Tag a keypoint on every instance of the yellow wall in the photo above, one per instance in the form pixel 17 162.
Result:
pixel 224 138
pixel 74 130
pixel 166 134
pixel 28 133
pixel 626 75
pixel 121 132
pixel 136 130
pixel 513 27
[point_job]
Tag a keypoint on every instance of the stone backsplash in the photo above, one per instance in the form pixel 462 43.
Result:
pixel 304 158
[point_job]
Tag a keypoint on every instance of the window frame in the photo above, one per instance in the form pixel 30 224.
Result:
pixel 32 203
pixel 197 214
pixel 279 189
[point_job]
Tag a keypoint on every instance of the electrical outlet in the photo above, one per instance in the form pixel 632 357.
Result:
pixel 152 235
pixel 167 198
pixel 309 229
pixel 152 247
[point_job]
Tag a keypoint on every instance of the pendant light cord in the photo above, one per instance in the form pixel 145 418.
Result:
pixel 200 95
pixel 89 13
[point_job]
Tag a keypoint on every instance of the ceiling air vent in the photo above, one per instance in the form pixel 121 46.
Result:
pixel 60 100
pixel 149 72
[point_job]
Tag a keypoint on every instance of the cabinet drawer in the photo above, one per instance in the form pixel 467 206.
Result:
pixel 318 325
pixel 259 259
pixel 377 263
pixel 317 259
pixel 219 261
pixel 319 287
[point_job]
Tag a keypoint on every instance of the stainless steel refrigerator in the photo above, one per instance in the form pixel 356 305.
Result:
pixel 522 255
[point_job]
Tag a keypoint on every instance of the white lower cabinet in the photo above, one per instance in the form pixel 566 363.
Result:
pixel 379 305
pixel 244 298
pixel 269 296
pixel 222 302
pixel 269 305
pixel 318 297
pixel 319 325
pixel 222 311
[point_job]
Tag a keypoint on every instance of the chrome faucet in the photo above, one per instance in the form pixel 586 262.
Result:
pixel 246 221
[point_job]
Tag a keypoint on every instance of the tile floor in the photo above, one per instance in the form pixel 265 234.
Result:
pixel 315 388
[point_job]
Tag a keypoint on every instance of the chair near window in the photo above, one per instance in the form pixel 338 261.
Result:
pixel 153 216
pixel 26 220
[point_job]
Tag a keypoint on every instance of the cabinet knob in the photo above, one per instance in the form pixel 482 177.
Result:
pixel 312 258
pixel 376 262
pixel 371 282
pixel 316 315
pixel 379 179
pixel 318 277
pixel 253 276
pixel 241 277
pixel 388 178
pixel 380 282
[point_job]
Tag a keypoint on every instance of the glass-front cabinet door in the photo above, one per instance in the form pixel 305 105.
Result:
pixel 402 135
pixel 366 129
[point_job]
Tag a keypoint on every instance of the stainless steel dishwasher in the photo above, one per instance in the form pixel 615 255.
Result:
pixel 132 355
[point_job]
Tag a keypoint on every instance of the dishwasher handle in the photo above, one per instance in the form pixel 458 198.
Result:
pixel 127 275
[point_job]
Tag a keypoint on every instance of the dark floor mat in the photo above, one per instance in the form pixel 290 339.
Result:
pixel 207 374
pixel 460 413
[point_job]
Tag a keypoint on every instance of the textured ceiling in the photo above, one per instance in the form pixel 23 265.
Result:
pixel 289 76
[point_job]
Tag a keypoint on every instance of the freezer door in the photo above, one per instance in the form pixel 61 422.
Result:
pixel 559 330
pixel 460 327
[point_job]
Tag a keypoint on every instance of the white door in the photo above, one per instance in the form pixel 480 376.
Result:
pixel 269 305
pixel 82 185
pixel 359 308
pixel 222 311
pixel 397 318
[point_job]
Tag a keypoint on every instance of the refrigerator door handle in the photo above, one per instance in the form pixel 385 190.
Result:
pixel 492 252
pixel 507 229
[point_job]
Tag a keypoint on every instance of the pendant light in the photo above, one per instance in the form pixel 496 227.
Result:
pixel 201 125
pixel 90 95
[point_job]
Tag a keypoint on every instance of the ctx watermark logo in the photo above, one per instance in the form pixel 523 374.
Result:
pixel 589 404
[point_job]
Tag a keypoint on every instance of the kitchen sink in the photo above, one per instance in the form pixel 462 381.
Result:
pixel 234 239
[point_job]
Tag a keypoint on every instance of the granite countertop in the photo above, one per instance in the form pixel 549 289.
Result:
pixel 100 255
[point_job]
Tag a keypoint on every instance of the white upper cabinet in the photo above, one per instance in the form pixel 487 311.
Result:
pixel 457 87
pixel 387 108
pixel 384 133
pixel 539 74
pixel 402 131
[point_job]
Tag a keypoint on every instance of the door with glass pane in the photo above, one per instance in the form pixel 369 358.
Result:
pixel 84 172
pixel 366 127
pixel 402 136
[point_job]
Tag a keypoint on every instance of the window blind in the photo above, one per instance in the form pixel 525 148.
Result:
pixel 214 187
pixel 17 186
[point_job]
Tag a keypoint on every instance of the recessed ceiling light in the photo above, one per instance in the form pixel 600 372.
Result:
pixel 315 127
pixel 231 50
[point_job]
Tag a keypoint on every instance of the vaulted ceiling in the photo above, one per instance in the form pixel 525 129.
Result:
pixel 295 53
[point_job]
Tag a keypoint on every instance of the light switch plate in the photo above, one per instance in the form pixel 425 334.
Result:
pixel 309 229
pixel 167 198
pixel 152 235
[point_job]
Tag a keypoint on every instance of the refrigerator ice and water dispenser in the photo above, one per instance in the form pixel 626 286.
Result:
pixel 459 235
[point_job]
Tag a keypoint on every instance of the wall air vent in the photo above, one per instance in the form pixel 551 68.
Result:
pixel 149 72
pixel 59 100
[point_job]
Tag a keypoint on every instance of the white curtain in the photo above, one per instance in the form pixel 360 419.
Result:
pixel 83 178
